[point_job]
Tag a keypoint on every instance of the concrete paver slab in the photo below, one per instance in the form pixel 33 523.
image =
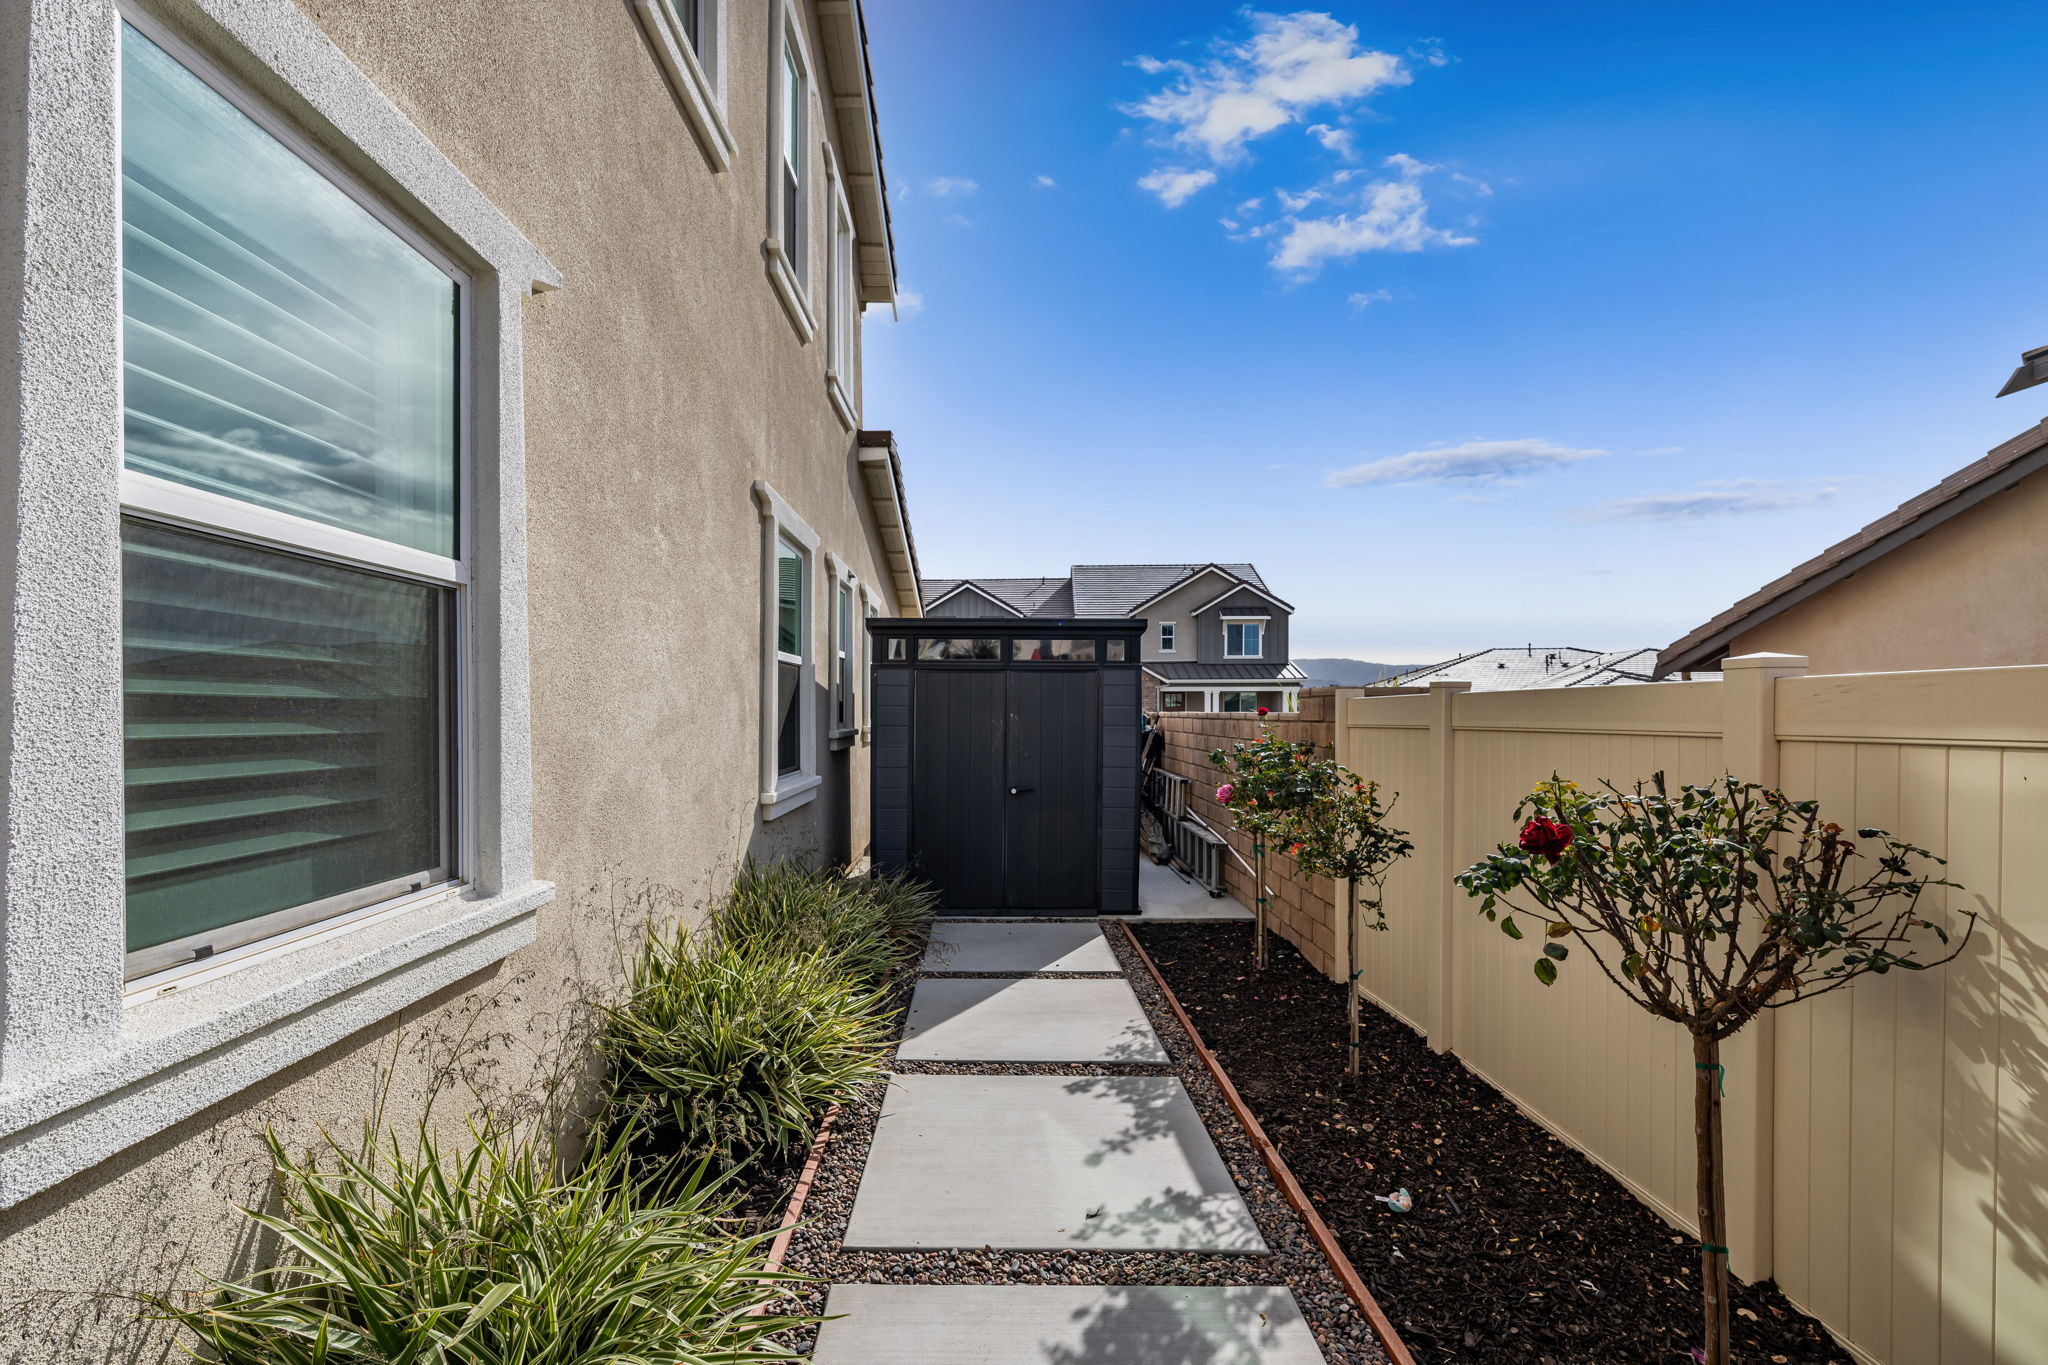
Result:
pixel 914 1324
pixel 1115 1163
pixel 981 1020
pixel 1164 894
pixel 1071 947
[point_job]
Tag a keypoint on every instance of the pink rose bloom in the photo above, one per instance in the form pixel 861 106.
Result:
pixel 1223 793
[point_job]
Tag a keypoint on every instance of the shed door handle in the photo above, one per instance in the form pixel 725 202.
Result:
pixel 1019 791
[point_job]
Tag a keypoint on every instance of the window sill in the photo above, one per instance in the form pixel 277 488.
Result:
pixel 686 77
pixel 841 739
pixel 790 794
pixel 789 291
pixel 841 403
pixel 181 1050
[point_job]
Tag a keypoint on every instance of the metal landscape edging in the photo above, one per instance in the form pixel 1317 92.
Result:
pixel 1276 1166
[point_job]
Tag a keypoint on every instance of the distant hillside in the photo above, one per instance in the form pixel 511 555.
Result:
pixel 1347 672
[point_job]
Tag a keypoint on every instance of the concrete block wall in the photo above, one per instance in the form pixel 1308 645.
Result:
pixel 1300 909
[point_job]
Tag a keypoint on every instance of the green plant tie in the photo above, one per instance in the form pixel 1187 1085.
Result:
pixel 1709 1246
pixel 1715 1066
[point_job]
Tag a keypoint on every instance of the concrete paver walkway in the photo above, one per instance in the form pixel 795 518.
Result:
pixel 1031 1163
pixel 979 1020
pixel 1041 1163
pixel 899 1324
pixel 1034 946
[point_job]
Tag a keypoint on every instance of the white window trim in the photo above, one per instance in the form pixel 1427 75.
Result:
pixel 842 301
pixel 840 575
pixel 1174 628
pixel 778 248
pixel 90 1067
pixel 871 606
pixel 782 792
pixel 697 78
pixel 1259 621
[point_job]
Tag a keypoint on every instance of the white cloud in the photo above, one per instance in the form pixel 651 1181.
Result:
pixel 1360 302
pixel 1250 205
pixel 1291 64
pixel 1174 186
pixel 1474 461
pixel 1734 498
pixel 1387 215
pixel 959 220
pixel 909 303
pixel 1044 182
pixel 1336 140
pixel 1431 52
pixel 946 186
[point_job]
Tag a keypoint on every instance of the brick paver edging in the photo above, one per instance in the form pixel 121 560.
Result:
pixel 793 1215
pixel 1276 1165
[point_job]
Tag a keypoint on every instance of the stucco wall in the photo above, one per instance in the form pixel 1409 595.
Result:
pixel 661 382
pixel 1972 593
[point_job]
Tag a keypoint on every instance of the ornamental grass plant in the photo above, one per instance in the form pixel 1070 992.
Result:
pixel 729 1049
pixel 490 1258
pixel 870 928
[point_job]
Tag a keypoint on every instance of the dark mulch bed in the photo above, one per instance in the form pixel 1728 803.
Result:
pixel 1518 1249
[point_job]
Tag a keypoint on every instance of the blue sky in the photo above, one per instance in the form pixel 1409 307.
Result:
pixel 1566 323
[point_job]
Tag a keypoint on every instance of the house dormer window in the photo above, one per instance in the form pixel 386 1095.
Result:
pixel 1244 639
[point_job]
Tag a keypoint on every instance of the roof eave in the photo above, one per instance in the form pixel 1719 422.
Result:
pixel 850 75
pixel 881 469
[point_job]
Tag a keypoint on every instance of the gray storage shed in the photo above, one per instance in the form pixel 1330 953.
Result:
pixel 1006 761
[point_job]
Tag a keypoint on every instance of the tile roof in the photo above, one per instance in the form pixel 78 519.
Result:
pixel 1115 589
pixel 2002 466
pixel 1263 671
pixel 1091 589
pixel 1051 597
pixel 1513 667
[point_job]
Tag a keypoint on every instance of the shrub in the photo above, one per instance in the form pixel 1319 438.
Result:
pixel 489 1259
pixel 869 928
pixel 729 1049
pixel 1707 908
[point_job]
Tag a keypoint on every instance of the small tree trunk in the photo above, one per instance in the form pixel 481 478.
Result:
pixel 1706 1056
pixel 1258 901
pixel 1351 970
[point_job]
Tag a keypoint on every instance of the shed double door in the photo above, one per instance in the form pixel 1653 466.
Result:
pixel 1005 787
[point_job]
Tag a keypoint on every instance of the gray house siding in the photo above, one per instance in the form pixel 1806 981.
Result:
pixel 1179 606
pixel 1208 642
pixel 970 602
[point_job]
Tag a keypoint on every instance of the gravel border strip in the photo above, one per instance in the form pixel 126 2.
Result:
pixel 1020 976
pixel 1296 1261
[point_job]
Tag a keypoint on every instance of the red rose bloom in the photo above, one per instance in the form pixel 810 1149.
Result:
pixel 1264 712
pixel 1546 838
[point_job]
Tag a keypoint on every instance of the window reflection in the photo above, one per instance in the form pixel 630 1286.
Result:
pixel 1072 651
pixel 1027 651
pixel 959 649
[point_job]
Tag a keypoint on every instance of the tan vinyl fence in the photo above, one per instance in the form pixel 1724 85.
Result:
pixel 1888 1145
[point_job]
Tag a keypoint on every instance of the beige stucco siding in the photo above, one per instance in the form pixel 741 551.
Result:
pixel 1972 593
pixel 662 381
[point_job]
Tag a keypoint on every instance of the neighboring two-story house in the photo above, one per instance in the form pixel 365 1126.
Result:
pixel 438 532
pixel 1216 636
